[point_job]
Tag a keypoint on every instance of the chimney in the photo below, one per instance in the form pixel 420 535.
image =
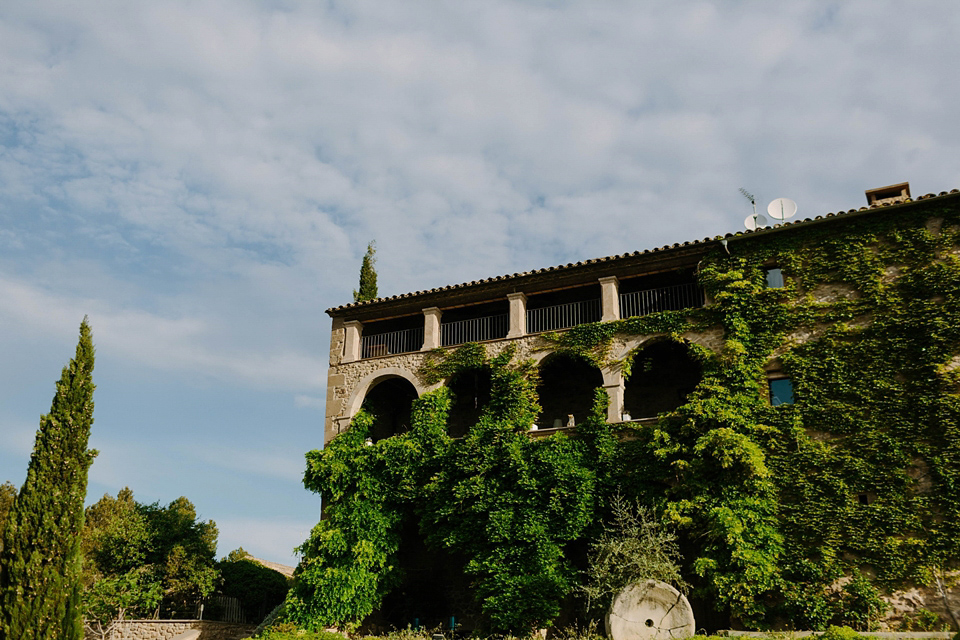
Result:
pixel 894 194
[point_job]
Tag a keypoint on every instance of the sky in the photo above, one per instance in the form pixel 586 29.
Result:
pixel 202 178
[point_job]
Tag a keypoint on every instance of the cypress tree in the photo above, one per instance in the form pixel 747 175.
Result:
pixel 368 276
pixel 41 558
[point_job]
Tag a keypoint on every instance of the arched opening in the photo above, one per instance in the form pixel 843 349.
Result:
pixel 390 401
pixel 433 588
pixel 471 390
pixel 662 376
pixel 566 388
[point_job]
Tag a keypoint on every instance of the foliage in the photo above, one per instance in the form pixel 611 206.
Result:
pixel 182 552
pixel 368 276
pixel 289 632
pixel 116 584
pixel 861 604
pixel 924 620
pixel 541 495
pixel 633 547
pixel 258 588
pixel 109 600
pixel 834 632
pixel 144 559
pixel 772 506
pixel 8 493
pixel 587 631
pixel 41 559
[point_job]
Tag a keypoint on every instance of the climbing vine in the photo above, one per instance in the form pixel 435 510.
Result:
pixel 801 512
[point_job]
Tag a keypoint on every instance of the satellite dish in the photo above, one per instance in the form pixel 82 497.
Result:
pixel 755 222
pixel 782 208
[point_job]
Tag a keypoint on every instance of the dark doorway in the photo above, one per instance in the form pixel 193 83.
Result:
pixel 433 588
pixel 390 401
pixel 471 390
pixel 566 388
pixel 662 376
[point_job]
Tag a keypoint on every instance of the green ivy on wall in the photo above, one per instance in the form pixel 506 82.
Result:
pixel 773 505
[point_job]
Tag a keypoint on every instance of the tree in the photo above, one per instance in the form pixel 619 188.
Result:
pixel 116 581
pixel 41 559
pixel 144 559
pixel 368 276
pixel 258 588
pixel 182 552
pixel 8 493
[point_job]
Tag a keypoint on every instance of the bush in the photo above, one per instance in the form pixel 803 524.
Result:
pixel 633 547
pixel 840 633
pixel 862 604
pixel 258 588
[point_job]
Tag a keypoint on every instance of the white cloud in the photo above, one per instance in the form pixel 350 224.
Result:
pixel 282 465
pixel 202 178
pixel 180 343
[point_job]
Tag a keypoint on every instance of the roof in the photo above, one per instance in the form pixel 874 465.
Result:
pixel 276 566
pixel 697 246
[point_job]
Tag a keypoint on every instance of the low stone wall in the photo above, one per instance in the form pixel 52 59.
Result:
pixel 167 629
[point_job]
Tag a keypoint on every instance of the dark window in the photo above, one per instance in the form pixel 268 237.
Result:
pixel 663 374
pixel 390 401
pixel 774 278
pixel 781 391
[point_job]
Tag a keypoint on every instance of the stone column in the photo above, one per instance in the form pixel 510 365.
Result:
pixel 613 385
pixel 610 298
pixel 518 315
pixel 351 341
pixel 431 328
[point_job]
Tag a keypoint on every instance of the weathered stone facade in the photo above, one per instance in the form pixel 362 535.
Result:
pixel 352 376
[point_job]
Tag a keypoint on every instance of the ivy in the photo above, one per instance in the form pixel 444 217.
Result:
pixel 859 479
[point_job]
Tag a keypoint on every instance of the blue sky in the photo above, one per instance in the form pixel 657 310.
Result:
pixel 202 178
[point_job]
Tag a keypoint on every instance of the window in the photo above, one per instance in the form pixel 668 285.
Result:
pixel 781 391
pixel 774 277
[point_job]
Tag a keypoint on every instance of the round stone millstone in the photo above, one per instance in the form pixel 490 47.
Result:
pixel 650 610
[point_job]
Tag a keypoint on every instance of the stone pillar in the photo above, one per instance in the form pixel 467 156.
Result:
pixel 351 341
pixel 610 298
pixel 518 315
pixel 613 385
pixel 431 328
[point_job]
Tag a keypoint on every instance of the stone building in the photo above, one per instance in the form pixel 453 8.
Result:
pixel 378 349
pixel 377 346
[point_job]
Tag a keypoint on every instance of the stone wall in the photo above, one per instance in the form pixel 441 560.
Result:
pixel 167 629
pixel 347 383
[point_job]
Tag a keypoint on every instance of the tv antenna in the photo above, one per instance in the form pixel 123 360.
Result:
pixel 756 221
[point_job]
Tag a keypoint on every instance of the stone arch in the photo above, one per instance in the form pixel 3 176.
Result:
pixel 567 385
pixel 663 373
pixel 398 388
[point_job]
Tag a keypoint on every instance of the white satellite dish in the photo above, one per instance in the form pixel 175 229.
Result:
pixel 755 222
pixel 782 208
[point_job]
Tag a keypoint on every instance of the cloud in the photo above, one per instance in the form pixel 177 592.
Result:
pixel 182 343
pixel 276 464
pixel 202 178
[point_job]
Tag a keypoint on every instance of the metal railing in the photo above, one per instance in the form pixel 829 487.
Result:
pixel 680 296
pixel 391 343
pixel 563 316
pixel 474 330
